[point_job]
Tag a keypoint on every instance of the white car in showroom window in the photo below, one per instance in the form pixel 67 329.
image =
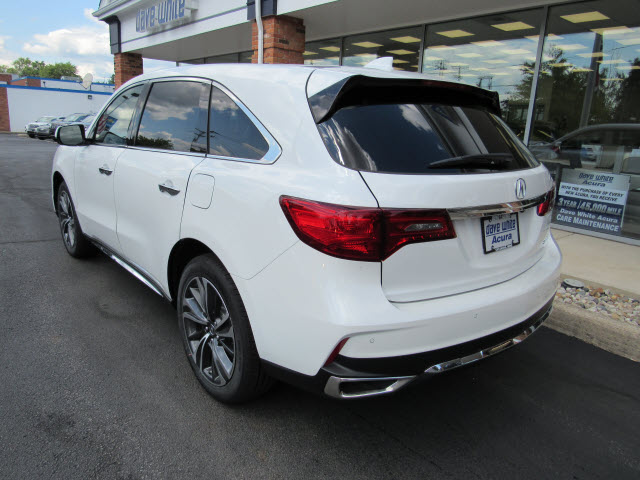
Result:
pixel 346 230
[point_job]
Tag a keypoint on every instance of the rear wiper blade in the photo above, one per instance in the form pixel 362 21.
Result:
pixel 495 161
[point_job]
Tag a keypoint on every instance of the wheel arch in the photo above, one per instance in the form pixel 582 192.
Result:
pixel 56 182
pixel 181 254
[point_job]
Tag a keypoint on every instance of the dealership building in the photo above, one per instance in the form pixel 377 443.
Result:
pixel 568 73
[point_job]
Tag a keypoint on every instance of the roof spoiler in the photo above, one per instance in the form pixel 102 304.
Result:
pixel 364 90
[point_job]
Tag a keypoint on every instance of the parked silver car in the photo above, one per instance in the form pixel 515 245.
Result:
pixel 30 128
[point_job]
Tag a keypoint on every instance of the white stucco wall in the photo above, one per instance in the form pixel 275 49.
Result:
pixel 27 104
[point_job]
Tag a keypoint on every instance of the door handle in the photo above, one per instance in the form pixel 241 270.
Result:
pixel 105 170
pixel 168 188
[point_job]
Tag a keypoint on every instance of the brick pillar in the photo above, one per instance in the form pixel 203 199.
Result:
pixel 283 39
pixel 127 66
pixel 6 77
pixel 5 125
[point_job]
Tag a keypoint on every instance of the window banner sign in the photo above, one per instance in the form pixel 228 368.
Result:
pixel 592 200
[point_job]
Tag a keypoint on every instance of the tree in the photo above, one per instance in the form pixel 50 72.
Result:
pixel 58 70
pixel 561 93
pixel 629 96
pixel 25 67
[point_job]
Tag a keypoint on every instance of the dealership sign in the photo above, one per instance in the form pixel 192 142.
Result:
pixel 163 13
pixel 592 200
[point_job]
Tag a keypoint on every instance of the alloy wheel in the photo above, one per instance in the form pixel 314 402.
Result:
pixel 208 328
pixel 67 220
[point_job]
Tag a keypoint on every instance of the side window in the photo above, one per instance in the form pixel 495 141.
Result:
pixel 175 117
pixel 231 132
pixel 114 123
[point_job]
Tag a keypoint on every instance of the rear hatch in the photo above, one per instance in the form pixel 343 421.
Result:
pixel 423 144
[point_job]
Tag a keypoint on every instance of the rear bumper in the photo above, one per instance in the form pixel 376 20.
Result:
pixel 305 303
pixel 349 378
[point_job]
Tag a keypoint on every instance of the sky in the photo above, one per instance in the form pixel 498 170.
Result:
pixel 59 32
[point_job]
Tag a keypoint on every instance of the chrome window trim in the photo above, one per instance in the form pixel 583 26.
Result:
pixel 274 151
pixel 162 150
pixel 488 210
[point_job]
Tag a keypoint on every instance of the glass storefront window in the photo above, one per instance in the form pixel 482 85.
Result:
pixel 245 57
pixel 587 109
pixel 403 45
pixel 228 58
pixel 496 52
pixel 325 52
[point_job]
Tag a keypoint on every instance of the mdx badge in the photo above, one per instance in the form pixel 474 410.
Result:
pixel 521 189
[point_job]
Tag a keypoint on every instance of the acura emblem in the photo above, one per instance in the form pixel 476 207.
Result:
pixel 521 189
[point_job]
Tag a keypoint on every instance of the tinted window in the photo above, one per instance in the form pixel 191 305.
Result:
pixel 407 138
pixel 231 132
pixel 114 123
pixel 175 117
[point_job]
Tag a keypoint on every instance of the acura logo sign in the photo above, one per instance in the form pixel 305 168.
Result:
pixel 521 189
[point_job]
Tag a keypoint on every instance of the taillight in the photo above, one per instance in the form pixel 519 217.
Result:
pixel 364 234
pixel 547 204
pixel 415 226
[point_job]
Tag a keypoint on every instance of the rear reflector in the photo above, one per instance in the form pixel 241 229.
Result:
pixel 547 204
pixel 336 351
pixel 364 234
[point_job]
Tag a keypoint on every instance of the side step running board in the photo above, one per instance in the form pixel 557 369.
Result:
pixel 136 272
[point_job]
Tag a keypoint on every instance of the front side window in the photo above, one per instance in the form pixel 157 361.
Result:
pixel 231 131
pixel 175 117
pixel 113 125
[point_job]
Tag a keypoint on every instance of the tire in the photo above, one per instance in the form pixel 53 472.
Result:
pixel 216 334
pixel 31 135
pixel 74 240
pixel 41 138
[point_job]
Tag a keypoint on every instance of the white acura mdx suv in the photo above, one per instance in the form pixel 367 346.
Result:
pixel 346 230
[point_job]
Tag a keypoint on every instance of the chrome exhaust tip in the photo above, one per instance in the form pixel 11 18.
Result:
pixel 338 387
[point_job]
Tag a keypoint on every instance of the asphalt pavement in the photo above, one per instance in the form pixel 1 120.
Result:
pixel 94 383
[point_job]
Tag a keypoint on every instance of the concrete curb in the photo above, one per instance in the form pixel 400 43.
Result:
pixel 612 335
pixel 19 134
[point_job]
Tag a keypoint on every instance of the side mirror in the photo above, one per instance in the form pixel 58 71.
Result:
pixel 71 135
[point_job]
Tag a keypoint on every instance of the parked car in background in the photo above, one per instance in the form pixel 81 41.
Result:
pixel 69 119
pixel 86 121
pixel 30 128
pixel 43 132
pixel 595 146
pixel 348 230
pixel 46 130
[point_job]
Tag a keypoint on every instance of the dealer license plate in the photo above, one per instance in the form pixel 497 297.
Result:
pixel 500 232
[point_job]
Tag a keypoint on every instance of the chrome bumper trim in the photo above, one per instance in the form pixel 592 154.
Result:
pixel 333 386
pixel 488 352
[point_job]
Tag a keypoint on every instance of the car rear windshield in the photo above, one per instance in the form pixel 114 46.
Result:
pixel 423 139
